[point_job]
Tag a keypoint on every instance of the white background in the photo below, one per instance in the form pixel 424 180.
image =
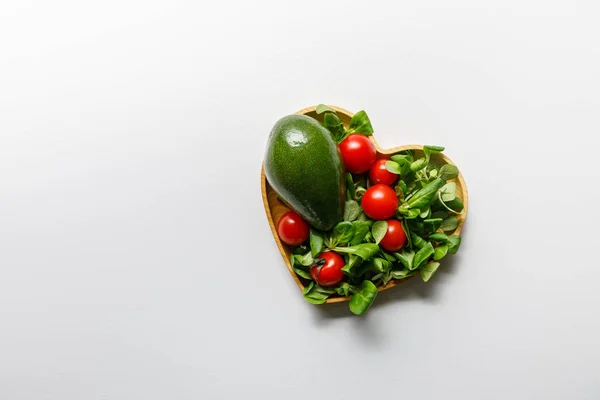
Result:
pixel 135 258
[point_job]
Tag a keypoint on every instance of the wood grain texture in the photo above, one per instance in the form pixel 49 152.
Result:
pixel 274 208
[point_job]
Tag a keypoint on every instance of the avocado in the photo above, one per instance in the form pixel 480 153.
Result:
pixel 303 165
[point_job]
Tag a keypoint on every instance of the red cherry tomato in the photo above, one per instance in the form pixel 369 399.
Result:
pixel 358 153
pixel 379 202
pixel 395 237
pixel 292 229
pixel 379 174
pixel 331 273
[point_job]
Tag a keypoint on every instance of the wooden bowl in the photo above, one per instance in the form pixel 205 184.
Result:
pixel 275 208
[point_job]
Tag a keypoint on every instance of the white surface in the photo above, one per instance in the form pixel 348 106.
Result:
pixel 135 258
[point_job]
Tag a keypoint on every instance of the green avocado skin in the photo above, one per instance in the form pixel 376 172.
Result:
pixel 303 165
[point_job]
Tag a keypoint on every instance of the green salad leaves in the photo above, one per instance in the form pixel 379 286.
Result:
pixel 429 207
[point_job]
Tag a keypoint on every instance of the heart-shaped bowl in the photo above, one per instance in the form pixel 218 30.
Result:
pixel 275 208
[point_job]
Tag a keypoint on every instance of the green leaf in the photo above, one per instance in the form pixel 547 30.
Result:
pixel 412 186
pixel 428 270
pixel 381 265
pixel 316 242
pixel 302 273
pixel 399 158
pixel 366 250
pixel 324 290
pixel 432 150
pixel 406 257
pixel 321 108
pixel 448 191
pixel 379 230
pixel 360 123
pixel 453 243
pixel 345 289
pixel 386 278
pixel 450 224
pixel 363 298
pixel 306 260
pixel 444 205
pixel 312 295
pixel 425 213
pixel 328 241
pixel 350 186
pixel 361 268
pixel 347 269
pixel 433 173
pixel 403 186
pixel 440 252
pixel 399 193
pixel 351 210
pixel 400 164
pixel 388 256
pixel 335 126
pixel 423 254
pixel 297 267
pixel 342 233
pixel 296 259
pixel 404 164
pixel 456 204
pixel 448 171
pixel 360 191
pixel 424 196
pixel 439 237
pixel 432 224
pixel 393 167
pixel 361 228
pixel 440 214
pixel 417 240
pixel 406 230
pixel 410 213
pixel 418 165
pixel 301 250
pixel 403 274
pixel 416 226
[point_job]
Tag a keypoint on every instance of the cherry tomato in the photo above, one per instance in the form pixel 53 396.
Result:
pixel 358 153
pixel 331 273
pixel 379 174
pixel 380 202
pixel 292 229
pixel 395 237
